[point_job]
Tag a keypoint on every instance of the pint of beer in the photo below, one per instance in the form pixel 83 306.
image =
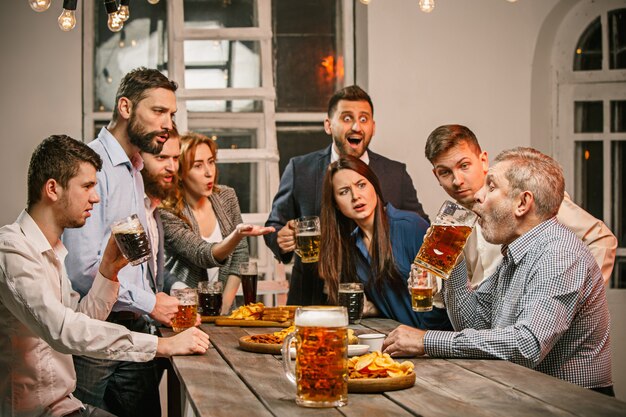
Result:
pixel 187 308
pixel 132 239
pixel 446 238
pixel 308 238
pixel 321 376
pixel 422 286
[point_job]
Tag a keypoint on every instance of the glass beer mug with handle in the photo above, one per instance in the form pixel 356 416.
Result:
pixel 321 376
pixel 446 239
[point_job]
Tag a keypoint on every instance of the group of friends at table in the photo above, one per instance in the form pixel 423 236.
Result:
pixel 79 337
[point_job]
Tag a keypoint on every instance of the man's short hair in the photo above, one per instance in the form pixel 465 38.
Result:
pixel 447 137
pixel 57 157
pixel 531 170
pixel 351 93
pixel 137 82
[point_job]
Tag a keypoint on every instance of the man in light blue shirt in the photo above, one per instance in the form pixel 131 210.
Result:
pixel 142 120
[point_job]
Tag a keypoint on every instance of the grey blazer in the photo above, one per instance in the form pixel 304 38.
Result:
pixel 187 255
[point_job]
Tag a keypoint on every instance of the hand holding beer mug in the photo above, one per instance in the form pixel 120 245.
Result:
pixel 321 376
pixel 446 239
pixel 422 285
pixel 132 239
pixel 308 238
pixel 187 308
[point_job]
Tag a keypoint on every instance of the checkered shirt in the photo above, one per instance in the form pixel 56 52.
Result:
pixel 544 308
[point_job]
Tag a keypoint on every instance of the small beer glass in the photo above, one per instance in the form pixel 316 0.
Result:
pixel 321 376
pixel 187 308
pixel 351 297
pixel 308 238
pixel 132 239
pixel 422 285
pixel 210 298
pixel 249 276
pixel 446 239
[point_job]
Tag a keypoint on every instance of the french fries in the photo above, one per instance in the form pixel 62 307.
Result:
pixel 377 365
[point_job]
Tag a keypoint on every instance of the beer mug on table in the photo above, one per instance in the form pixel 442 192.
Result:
pixel 321 375
pixel 187 308
pixel 446 239
pixel 422 286
pixel 132 239
pixel 308 238
pixel 249 274
pixel 209 298
pixel 351 297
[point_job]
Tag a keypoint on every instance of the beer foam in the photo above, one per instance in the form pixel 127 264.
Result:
pixel 128 228
pixel 308 234
pixel 321 318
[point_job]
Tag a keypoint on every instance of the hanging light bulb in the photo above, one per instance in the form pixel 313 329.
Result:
pixel 39 5
pixel 427 6
pixel 124 11
pixel 153 1
pixel 67 20
pixel 366 2
pixel 114 22
pixel 511 1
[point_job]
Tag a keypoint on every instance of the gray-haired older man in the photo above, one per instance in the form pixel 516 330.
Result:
pixel 545 305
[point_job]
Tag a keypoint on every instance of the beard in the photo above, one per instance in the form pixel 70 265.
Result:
pixel 155 187
pixel 145 141
pixel 499 225
pixel 65 218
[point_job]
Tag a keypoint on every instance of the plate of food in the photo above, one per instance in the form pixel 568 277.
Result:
pixel 378 372
pixel 257 315
pixel 273 342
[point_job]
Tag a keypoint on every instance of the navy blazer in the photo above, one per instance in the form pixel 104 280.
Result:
pixel 300 194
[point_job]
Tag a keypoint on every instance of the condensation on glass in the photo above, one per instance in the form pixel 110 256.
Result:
pixel 588 117
pixel 142 42
pixel 617 39
pixel 589 166
pixel 588 53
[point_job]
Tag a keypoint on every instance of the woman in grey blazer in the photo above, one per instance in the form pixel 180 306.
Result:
pixel 202 223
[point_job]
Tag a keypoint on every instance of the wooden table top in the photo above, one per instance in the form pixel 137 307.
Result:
pixel 228 381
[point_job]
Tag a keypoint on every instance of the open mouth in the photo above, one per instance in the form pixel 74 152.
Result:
pixel 359 207
pixel 354 141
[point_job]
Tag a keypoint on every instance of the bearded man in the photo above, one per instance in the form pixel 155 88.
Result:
pixel 142 121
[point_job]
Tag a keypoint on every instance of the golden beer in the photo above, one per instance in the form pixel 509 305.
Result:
pixel 321 374
pixel 422 298
pixel 308 246
pixel 187 308
pixel 442 246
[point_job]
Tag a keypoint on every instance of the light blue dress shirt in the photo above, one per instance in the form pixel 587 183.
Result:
pixel 121 192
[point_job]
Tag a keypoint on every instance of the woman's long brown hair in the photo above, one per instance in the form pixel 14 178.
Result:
pixel 338 251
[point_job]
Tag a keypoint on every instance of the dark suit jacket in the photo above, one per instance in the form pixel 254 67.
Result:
pixel 300 194
pixel 161 279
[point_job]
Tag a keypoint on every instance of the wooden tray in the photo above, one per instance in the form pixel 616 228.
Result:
pixel 250 323
pixel 211 319
pixel 246 343
pixel 365 385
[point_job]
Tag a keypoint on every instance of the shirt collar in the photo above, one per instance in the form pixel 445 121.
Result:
pixel 149 204
pixel 116 152
pixel 334 156
pixel 35 236
pixel 518 248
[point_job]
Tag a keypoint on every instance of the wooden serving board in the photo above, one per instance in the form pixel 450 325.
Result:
pixel 211 319
pixel 368 385
pixel 250 323
pixel 246 343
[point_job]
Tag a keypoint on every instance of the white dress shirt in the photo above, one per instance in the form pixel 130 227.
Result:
pixel 44 324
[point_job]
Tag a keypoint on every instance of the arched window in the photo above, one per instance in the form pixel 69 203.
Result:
pixel 591 132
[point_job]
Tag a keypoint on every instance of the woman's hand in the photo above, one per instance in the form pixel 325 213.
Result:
pixel 253 230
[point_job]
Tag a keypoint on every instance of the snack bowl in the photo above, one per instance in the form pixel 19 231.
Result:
pixel 373 340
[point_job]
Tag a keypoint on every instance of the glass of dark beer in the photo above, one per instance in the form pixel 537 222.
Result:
pixel 249 276
pixel 210 298
pixel 446 239
pixel 308 238
pixel 351 297
pixel 132 239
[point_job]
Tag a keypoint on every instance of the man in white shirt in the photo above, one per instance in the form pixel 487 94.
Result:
pixel 44 323
pixel 460 166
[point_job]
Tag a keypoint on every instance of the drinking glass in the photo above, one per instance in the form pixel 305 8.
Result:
pixel 210 298
pixel 308 238
pixel 422 284
pixel 187 308
pixel 249 277
pixel 132 239
pixel 351 297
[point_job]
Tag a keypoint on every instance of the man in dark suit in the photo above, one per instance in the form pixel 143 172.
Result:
pixel 350 122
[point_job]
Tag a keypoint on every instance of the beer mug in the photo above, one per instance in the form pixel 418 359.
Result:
pixel 248 272
pixel 187 308
pixel 351 296
pixel 446 239
pixel 132 239
pixel 321 376
pixel 210 298
pixel 422 285
pixel 308 238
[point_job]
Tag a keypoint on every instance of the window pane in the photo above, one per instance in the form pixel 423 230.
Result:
pixel 234 106
pixel 306 55
pixel 293 143
pixel 142 42
pixel 232 138
pixel 588 117
pixel 243 178
pixel 617 39
pixel 618 179
pixel 618 116
pixel 222 64
pixel 588 53
pixel 219 13
pixel 589 165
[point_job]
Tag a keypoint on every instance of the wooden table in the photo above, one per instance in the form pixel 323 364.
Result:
pixel 227 381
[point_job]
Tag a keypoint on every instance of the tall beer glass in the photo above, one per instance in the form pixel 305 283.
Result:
pixel 308 238
pixel 446 239
pixel 321 376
